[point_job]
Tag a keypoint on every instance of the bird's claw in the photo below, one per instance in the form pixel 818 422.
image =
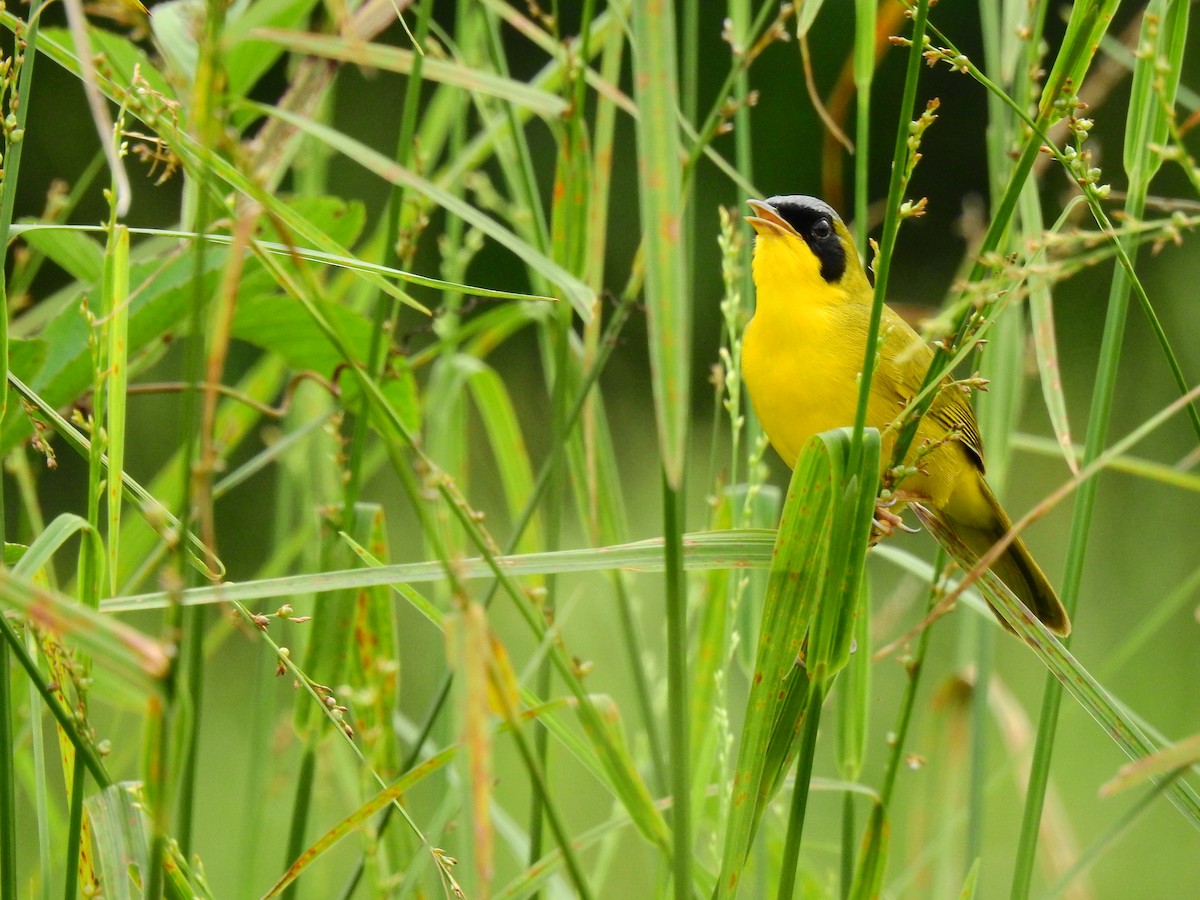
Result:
pixel 886 523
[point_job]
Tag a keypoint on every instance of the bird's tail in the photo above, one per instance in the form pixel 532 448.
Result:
pixel 1016 567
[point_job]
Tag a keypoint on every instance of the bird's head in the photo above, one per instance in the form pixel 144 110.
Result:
pixel 803 241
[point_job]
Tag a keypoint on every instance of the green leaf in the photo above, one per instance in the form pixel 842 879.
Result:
pixel 246 59
pixel 580 295
pixel 120 56
pixel 338 219
pixel 75 252
pixel 663 223
pixel 1155 83
pixel 177 26
pixel 375 677
pixel 393 59
pixel 1177 757
pixel 504 434
pixel 116 300
pixel 1109 714
pixel 26 356
pixel 808 620
pixel 735 549
pixel 120 831
pixel 797 572
pixel 157 307
pixel 46 544
pixel 281 325
pixel 137 659
pixel 329 660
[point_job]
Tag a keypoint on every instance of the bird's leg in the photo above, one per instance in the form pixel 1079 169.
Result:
pixel 887 521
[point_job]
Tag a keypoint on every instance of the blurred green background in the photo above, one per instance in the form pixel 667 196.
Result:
pixel 1144 540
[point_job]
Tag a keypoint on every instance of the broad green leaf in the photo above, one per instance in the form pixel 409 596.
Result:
pixel 75 252
pixel 177 26
pixel 26 356
pixel 160 282
pixel 120 57
pixel 281 325
pixel 338 219
pixel 157 307
pixel 247 60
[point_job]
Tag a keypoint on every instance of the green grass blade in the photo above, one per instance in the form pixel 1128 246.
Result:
pixel 52 537
pixel 779 687
pixel 668 304
pixel 664 224
pixel 120 829
pixel 577 292
pixel 66 253
pixel 1176 758
pixel 1137 156
pixel 876 842
pixel 117 310
pixel 1067 670
pixel 121 832
pixel 8 810
pixel 733 549
pixel 127 653
pixel 827 645
pixel 509 450
pixel 138 495
pixel 473 79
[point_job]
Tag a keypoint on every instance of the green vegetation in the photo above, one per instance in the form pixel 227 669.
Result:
pixel 383 514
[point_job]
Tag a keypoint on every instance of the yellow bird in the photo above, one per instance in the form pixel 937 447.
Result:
pixel 801 357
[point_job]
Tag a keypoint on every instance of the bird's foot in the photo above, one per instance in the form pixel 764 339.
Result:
pixel 886 522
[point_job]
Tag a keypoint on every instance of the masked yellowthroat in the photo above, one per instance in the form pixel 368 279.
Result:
pixel 801 358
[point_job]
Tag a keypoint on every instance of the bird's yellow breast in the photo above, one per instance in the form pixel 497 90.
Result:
pixel 800 359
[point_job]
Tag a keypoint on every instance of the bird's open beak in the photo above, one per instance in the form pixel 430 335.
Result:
pixel 767 221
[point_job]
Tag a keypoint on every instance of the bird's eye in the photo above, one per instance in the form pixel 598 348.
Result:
pixel 822 229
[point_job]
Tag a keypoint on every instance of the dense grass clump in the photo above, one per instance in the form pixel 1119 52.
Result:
pixel 383 514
